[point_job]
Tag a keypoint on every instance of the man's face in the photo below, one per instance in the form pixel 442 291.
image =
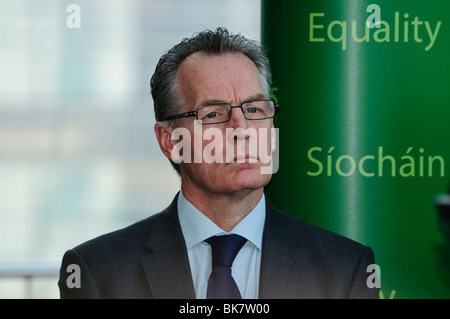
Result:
pixel 229 78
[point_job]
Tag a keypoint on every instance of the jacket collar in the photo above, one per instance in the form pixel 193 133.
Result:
pixel 167 265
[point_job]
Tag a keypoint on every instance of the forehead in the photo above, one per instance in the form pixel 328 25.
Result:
pixel 229 77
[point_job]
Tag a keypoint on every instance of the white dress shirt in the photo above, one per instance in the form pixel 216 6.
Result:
pixel 196 227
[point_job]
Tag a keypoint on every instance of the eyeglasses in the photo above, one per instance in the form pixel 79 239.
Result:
pixel 221 112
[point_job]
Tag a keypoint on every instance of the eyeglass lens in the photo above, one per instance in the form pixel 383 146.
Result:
pixel 253 110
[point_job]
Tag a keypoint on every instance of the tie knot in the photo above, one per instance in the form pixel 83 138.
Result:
pixel 225 248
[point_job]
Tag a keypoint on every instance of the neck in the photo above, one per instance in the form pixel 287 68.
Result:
pixel 226 210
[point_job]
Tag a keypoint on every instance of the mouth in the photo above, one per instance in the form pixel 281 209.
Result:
pixel 247 159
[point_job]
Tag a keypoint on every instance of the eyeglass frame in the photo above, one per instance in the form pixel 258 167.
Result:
pixel 195 113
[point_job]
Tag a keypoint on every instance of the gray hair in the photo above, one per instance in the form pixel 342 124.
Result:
pixel 163 82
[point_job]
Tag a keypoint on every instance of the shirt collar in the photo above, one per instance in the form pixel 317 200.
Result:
pixel 196 227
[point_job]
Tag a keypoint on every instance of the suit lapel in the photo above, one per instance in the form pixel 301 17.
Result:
pixel 281 269
pixel 167 265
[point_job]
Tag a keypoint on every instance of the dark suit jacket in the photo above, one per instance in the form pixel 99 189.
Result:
pixel 149 260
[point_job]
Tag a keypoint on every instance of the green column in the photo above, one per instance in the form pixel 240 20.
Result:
pixel 364 128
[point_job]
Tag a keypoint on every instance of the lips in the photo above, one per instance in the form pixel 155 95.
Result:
pixel 244 159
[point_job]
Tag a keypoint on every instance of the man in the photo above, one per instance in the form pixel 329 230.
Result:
pixel 219 82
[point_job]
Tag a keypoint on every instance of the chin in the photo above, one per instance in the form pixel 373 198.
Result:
pixel 250 179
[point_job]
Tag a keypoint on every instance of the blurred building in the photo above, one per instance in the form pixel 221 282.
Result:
pixel 78 156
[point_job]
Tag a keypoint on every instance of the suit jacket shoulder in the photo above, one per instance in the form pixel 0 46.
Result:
pixel 301 260
pixel 133 262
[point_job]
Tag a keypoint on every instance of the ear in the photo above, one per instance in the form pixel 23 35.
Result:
pixel 163 134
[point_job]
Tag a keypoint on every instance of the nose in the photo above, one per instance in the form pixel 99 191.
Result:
pixel 238 125
pixel 237 118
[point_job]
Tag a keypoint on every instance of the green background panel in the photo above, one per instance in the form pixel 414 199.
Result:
pixel 389 95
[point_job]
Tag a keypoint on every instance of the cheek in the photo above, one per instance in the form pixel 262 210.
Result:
pixel 265 143
pixel 203 172
pixel 213 146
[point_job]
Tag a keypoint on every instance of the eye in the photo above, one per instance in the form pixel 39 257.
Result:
pixel 211 115
pixel 253 110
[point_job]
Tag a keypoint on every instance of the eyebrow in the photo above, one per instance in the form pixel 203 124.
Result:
pixel 251 98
